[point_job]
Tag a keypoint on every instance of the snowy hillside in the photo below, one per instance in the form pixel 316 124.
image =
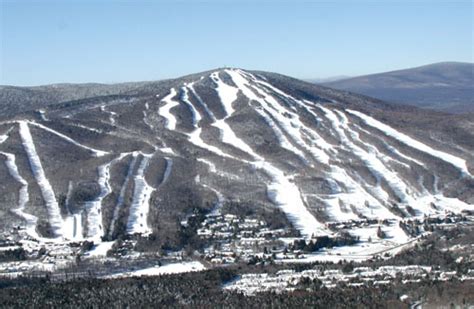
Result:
pixel 143 165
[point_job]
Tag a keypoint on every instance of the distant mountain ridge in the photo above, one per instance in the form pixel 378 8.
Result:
pixel 21 99
pixel 445 86
pixel 329 79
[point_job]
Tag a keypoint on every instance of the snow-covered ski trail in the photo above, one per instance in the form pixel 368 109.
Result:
pixel 23 196
pixel 95 152
pixel 121 197
pixel 281 191
pixel 54 214
pixel 138 214
pixel 165 110
pixel 95 229
pixel 459 163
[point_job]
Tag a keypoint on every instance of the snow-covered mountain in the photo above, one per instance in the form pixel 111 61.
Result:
pixel 444 86
pixel 141 162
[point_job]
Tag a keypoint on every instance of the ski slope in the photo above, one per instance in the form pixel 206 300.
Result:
pixel 138 217
pixel 459 163
pixel 165 110
pixel 54 214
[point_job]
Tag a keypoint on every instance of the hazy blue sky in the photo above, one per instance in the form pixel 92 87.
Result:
pixel 111 41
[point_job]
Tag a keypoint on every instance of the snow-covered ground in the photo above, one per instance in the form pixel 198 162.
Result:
pixel 359 252
pixel 288 280
pixel 172 268
pixel 100 250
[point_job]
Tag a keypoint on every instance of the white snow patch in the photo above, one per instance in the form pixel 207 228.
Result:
pixel 100 250
pixel 167 150
pixel 173 268
pixel 42 113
